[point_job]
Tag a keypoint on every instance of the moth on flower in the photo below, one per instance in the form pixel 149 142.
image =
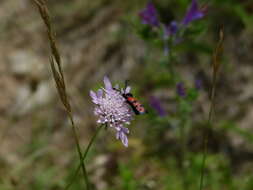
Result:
pixel 137 107
pixel 112 108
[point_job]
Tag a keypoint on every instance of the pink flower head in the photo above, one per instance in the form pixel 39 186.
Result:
pixel 112 109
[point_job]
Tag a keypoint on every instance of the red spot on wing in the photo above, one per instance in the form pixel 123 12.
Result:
pixel 131 99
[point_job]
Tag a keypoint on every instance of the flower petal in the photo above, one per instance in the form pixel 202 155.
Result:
pixel 108 84
pixel 100 93
pixel 193 13
pixel 128 89
pixel 124 139
pixel 149 15
pixel 170 29
pixel 117 135
pixel 94 97
pixel 93 94
pixel 124 130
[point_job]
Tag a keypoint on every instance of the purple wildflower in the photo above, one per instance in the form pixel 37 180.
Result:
pixel 198 84
pixel 193 13
pixel 171 29
pixel 149 15
pixel 181 89
pixel 156 104
pixel 112 109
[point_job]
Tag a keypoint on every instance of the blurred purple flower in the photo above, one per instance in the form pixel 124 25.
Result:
pixel 170 29
pixel 193 13
pixel 149 15
pixel 198 84
pixel 157 105
pixel 112 109
pixel 181 89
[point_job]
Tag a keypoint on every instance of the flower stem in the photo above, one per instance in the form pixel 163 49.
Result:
pixel 206 136
pixel 79 151
pixel 184 156
pixel 171 67
pixel 84 156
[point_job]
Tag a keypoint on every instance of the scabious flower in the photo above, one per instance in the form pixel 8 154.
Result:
pixel 193 13
pixel 111 109
pixel 149 15
pixel 181 89
pixel 157 105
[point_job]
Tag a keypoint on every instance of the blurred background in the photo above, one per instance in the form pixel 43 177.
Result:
pixel 101 37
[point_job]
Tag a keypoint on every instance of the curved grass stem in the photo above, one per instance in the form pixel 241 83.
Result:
pixel 55 63
pixel 216 66
pixel 79 152
pixel 84 156
pixel 206 136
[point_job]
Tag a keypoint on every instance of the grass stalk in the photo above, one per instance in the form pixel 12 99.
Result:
pixel 55 63
pixel 84 155
pixel 82 165
pixel 216 66
pixel 171 66
pixel 184 154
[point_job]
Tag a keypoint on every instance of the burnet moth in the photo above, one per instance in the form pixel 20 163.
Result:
pixel 137 107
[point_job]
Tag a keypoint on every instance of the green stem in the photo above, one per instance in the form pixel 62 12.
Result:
pixel 79 152
pixel 84 156
pixel 183 137
pixel 206 137
pixel 171 68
